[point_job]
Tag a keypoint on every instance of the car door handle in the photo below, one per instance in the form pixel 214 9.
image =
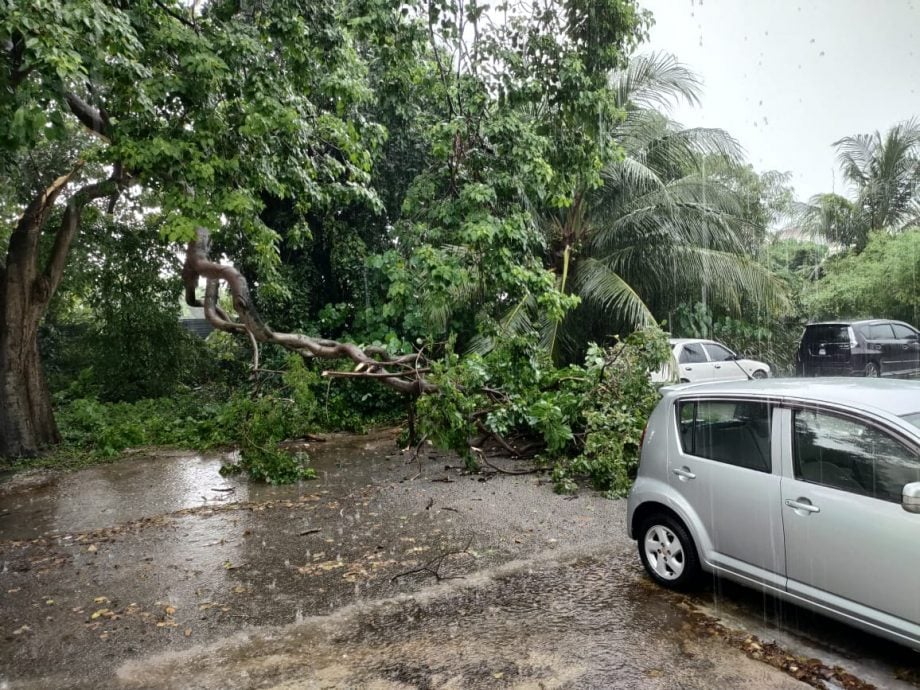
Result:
pixel 798 505
pixel 684 473
pixel 718 366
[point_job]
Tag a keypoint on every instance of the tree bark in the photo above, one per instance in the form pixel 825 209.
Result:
pixel 27 423
pixel 26 418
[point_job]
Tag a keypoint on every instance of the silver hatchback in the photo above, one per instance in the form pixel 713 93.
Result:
pixel 806 489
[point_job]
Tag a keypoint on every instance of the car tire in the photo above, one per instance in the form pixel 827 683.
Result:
pixel 872 371
pixel 759 374
pixel 668 553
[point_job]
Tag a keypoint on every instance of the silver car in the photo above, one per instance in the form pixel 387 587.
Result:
pixel 806 489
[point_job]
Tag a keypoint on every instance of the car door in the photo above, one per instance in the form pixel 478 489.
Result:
pixel 850 546
pixel 909 344
pixel 724 366
pixel 881 339
pixel 693 363
pixel 727 471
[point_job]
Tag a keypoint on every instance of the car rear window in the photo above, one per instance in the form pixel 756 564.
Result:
pixel 913 418
pixel 827 333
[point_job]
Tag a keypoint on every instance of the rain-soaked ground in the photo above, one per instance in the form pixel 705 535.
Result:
pixel 157 572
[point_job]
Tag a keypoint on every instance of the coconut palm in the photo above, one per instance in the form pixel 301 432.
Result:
pixel 657 230
pixel 884 172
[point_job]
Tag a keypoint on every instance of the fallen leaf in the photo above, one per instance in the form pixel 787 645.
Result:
pixel 169 609
pixel 99 613
pixel 188 632
pixel 92 548
pixel 101 600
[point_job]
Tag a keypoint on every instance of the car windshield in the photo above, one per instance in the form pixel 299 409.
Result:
pixel 913 418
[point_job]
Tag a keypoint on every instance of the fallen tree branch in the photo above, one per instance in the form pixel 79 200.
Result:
pixel 403 373
pixel 369 375
pixel 483 459
pixel 498 439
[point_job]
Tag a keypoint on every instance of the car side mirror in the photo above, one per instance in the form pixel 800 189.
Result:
pixel 910 497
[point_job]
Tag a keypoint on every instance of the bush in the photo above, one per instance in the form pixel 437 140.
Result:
pixel 588 420
pixel 617 406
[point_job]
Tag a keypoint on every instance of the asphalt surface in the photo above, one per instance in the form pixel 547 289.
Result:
pixel 387 572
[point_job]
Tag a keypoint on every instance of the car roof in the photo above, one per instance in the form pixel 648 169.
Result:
pixel 896 397
pixel 684 341
pixel 848 322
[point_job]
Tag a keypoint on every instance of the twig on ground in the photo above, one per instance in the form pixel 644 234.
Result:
pixel 433 567
pixel 485 460
pixel 309 531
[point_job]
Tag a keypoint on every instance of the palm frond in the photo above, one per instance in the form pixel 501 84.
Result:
pixel 655 80
pixel 604 289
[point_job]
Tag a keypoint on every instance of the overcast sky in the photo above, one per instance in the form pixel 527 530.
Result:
pixel 789 77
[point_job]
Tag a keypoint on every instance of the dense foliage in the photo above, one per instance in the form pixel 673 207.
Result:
pixel 499 198
pixel 593 413
pixel 879 282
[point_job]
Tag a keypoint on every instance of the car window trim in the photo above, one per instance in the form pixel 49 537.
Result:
pixel 903 437
pixel 910 445
pixel 708 344
pixel 772 404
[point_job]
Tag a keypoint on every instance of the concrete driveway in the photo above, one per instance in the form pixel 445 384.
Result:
pixel 156 572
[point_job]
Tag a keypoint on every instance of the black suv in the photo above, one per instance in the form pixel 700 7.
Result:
pixel 859 348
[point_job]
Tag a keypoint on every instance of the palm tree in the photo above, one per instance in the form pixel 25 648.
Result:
pixel 657 230
pixel 884 171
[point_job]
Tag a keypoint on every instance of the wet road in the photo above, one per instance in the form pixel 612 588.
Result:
pixel 157 572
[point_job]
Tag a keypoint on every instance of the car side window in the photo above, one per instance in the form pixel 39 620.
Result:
pixel 717 353
pixel 880 331
pixel 692 353
pixel 902 332
pixel 729 431
pixel 846 454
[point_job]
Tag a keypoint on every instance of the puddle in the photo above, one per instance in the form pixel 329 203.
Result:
pixel 168 481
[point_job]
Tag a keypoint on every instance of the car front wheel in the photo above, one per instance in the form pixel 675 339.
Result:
pixel 759 374
pixel 872 371
pixel 668 552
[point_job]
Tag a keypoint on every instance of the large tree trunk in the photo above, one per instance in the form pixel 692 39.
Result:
pixel 26 418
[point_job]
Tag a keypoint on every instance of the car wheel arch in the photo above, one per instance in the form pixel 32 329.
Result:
pixel 649 508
